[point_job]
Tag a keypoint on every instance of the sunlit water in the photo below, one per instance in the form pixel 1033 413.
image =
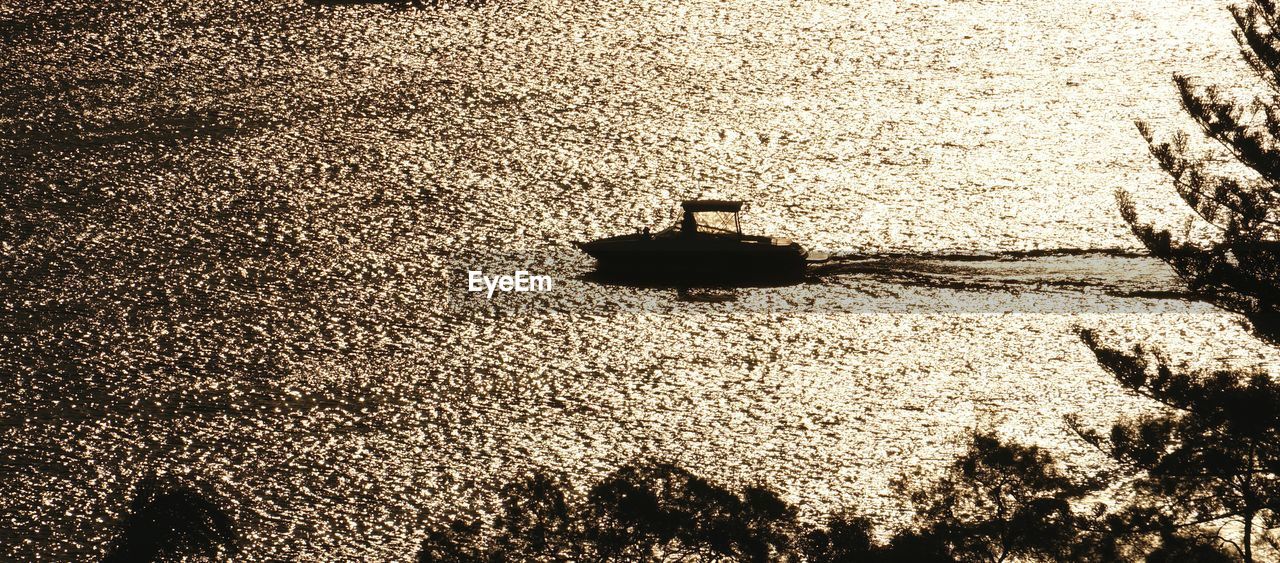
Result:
pixel 234 237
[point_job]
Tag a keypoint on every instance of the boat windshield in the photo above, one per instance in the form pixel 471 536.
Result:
pixel 716 222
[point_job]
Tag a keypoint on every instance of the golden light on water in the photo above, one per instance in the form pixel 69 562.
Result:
pixel 233 233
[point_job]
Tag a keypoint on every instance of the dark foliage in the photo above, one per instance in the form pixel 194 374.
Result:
pixel 997 502
pixel 662 511
pixel 170 521
pixel 1002 502
pixel 462 542
pixel 641 512
pixel 535 521
pixel 1239 270
pixel 1211 456
pixel 1176 548
pixel 846 537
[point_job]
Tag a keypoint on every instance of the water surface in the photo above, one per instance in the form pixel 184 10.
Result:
pixel 233 236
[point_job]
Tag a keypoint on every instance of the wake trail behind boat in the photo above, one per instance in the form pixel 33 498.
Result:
pixel 1118 272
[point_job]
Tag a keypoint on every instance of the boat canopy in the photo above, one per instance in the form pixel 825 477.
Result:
pixel 714 222
pixel 700 205
pixel 710 216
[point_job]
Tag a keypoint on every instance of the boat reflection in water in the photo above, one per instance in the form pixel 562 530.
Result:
pixel 706 247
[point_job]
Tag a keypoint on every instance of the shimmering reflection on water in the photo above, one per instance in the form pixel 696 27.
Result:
pixel 229 229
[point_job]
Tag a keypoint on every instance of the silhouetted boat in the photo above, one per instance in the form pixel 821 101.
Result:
pixel 707 242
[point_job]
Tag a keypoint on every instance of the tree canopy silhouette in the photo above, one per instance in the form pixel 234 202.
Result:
pixel 643 512
pixel 1001 502
pixel 997 502
pixel 1212 454
pixel 171 521
pixel 1239 267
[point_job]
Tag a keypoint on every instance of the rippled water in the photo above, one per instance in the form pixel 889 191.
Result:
pixel 234 235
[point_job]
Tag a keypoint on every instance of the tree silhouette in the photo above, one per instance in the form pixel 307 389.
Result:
pixel 661 511
pixel 1237 269
pixel 997 502
pixel 846 537
pixel 1000 501
pixel 1211 455
pixel 536 521
pixel 643 512
pixel 171 521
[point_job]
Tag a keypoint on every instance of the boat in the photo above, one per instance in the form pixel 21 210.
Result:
pixel 707 242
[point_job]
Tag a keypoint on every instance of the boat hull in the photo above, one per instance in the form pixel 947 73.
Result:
pixel 710 258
